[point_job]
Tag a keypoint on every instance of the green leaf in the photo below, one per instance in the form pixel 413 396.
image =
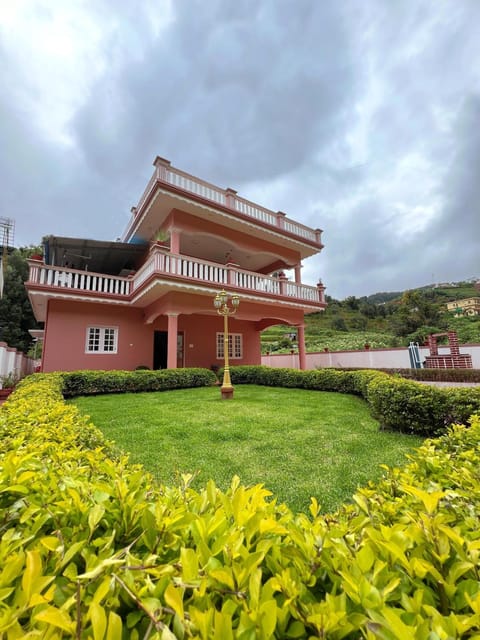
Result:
pixel 296 630
pixel 430 499
pixel 223 626
pixel 56 618
pixel 224 577
pixel 314 507
pixel 12 568
pixel 365 558
pixel 32 571
pixel 95 515
pixel 174 599
pixel 189 560
pixel 268 619
pixel 99 621
pixel 114 629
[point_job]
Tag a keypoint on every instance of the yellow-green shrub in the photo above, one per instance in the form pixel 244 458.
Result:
pixel 91 547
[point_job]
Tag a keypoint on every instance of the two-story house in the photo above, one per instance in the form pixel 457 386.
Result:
pixel 148 300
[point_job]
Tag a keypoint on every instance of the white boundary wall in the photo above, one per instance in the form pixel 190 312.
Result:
pixel 369 359
pixel 13 361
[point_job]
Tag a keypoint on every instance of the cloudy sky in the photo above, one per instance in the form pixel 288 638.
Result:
pixel 361 117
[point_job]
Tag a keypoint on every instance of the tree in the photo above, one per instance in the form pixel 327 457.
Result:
pixel 16 314
pixel 338 323
pixel 414 311
pixel 351 303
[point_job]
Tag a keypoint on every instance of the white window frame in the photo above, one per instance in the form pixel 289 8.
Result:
pixel 235 346
pixel 107 340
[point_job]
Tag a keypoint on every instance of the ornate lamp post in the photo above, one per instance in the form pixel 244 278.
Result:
pixel 223 309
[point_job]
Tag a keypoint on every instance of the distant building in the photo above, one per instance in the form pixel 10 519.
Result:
pixel 466 307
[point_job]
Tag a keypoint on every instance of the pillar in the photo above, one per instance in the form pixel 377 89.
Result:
pixel 298 273
pixel 162 165
pixel 283 283
pixel 281 219
pixel 230 198
pixel 321 290
pixel 172 340
pixel 175 241
pixel 302 356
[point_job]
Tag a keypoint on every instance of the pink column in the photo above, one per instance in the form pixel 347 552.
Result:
pixel 321 290
pixel 232 273
pixel 161 165
pixel 283 283
pixel 172 340
pixel 175 241
pixel 298 273
pixel 302 356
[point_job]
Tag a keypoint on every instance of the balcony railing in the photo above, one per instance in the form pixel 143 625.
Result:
pixel 71 279
pixel 167 174
pixel 163 263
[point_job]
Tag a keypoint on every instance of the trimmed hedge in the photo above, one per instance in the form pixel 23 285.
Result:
pixel 398 404
pixel 79 383
pixel 428 375
pixel 91 547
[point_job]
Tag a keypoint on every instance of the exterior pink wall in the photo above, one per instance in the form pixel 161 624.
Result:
pixel 65 336
pixel 200 340
pixel 67 323
pixel 203 226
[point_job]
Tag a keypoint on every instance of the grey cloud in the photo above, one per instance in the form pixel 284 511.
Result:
pixel 262 104
pixel 314 108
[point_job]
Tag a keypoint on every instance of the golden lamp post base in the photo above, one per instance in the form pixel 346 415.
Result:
pixel 227 392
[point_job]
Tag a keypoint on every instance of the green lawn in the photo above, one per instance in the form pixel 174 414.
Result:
pixel 298 443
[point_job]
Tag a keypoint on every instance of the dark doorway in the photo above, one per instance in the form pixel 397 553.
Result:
pixel 160 349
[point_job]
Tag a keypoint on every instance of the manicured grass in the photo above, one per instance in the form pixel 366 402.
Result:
pixel 297 443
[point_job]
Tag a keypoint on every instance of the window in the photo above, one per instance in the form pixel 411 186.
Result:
pixel 101 340
pixel 235 346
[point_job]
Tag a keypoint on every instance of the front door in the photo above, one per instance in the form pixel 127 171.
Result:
pixel 160 349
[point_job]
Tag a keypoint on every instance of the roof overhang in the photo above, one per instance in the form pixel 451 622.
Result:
pixel 111 258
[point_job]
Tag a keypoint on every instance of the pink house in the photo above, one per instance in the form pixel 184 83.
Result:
pixel 144 301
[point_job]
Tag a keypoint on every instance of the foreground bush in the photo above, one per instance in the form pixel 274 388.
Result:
pixel 398 404
pixel 91 547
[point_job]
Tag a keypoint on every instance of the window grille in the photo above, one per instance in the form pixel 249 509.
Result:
pixel 235 346
pixel 101 340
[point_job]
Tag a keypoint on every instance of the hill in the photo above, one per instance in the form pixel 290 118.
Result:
pixel 384 319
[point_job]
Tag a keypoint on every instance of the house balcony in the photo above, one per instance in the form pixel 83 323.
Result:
pixel 170 188
pixel 161 273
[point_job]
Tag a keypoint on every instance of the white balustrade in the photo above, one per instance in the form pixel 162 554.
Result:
pixel 170 175
pixel 194 185
pixel 63 278
pixel 174 266
pixel 254 211
pixel 299 230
